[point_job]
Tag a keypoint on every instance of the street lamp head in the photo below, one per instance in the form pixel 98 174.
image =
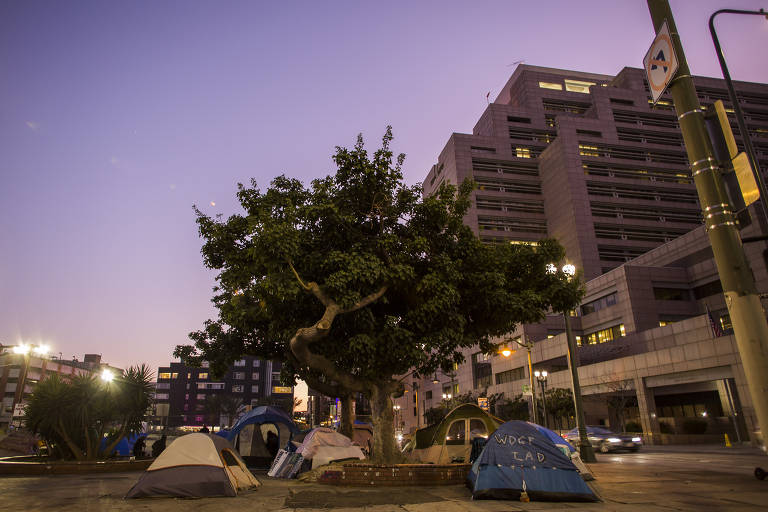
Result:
pixel 434 379
pixel 537 374
pixel 21 348
pixel 107 375
pixel 544 374
pixel 569 270
pixel 506 351
pixel 41 350
pixel 551 268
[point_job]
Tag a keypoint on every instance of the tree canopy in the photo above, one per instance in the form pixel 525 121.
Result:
pixel 358 278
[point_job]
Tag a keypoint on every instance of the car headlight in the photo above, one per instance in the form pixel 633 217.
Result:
pixel 613 440
pixel 636 439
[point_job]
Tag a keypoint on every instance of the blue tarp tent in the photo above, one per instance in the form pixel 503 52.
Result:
pixel 249 433
pixel 124 447
pixel 520 457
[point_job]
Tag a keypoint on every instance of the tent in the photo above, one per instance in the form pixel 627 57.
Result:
pixel 362 435
pixel 451 439
pixel 124 447
pixel 249 434
pixel 323 445
pixel 195 466
pixel 519 457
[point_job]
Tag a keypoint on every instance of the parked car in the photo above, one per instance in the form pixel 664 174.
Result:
pixel 606 440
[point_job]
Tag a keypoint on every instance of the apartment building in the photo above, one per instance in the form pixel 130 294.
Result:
pixel 183 391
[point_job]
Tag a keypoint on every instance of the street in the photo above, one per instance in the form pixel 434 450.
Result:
pixel 655 479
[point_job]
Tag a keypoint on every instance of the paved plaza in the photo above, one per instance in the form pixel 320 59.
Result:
pixel 656 479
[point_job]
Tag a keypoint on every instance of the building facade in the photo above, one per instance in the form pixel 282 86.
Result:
pixel 182 392
pixel 588 160
pixel 19 373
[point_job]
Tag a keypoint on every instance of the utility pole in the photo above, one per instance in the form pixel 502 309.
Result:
pixel 741 296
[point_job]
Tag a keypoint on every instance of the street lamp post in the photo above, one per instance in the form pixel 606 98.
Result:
pixel 735 101
pixel 541 376
pixel 586 451
pixel 528 345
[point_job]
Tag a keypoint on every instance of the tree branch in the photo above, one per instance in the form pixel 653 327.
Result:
pixel 306 287
pixel 366 300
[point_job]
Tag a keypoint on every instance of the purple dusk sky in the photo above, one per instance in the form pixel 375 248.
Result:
pixel 117 117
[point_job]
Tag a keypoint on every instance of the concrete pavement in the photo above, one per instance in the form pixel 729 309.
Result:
pixel 665 479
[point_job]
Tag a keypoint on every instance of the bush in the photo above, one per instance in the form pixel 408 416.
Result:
pixel 694 426
pixel 633 426
pixel 666 428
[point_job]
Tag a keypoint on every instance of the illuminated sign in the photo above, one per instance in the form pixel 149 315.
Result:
pixel 282 389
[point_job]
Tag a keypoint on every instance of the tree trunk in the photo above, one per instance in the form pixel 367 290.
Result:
pixel 384 446
pixel 346 426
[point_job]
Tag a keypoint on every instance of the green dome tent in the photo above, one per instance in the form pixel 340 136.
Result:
pixel 451 439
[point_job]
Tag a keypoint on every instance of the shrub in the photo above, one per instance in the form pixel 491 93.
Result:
pixel 633 426
pixel 694 426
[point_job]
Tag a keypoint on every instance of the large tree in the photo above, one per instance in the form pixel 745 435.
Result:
pixel 358 279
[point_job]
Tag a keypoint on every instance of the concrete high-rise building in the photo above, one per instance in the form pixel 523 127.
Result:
pixel 586 159
pixel 589 160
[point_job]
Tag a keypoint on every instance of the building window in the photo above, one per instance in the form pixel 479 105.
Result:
pixel 255 388
pixel 200 396
pixel 164 375
pixel 587 150
pixel 522 152
pixel 597 305
pixel 162 396
pixel 186 407
pixel 202 375
pixel 255 376
pixel 205 364
pixel 237 388
pixel 671 294
pixel 174 375
pixel 510 375
pixel 428 395
pixel 198 418
pixel 238 375
pixel 189 375
pixel 240 362
pixel 186 396
pixel 578 86
pixel 163 385
pixel 550 85
pixel 256 363
pixel 210 385
pixel 604 335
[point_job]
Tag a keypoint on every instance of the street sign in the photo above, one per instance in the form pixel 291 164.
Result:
pixel 527 390
pixel 482 402
pixel 660 63
pixel 19 410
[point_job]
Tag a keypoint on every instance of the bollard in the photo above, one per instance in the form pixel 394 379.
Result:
pixel 727 441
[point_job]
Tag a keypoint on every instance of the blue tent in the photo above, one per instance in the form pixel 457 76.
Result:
pixel 257 416
pixel 124 447
pixel 248 434
pixel 520 457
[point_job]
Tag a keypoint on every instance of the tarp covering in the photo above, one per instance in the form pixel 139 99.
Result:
pixel 324 445
pixel 124 447
pixel 195 465
pixel 518 457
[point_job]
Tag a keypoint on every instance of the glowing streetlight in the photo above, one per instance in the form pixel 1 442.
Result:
pixel 41 349
pixel 107 375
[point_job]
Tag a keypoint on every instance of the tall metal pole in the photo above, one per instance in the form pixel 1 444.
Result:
pixel 741 297
pixel 737 108
pixel 529 346
pixel 586 451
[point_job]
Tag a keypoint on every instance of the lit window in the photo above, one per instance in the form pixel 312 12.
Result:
pixel 237 389
pixel 586 150
pixel 238 375
pixel 205 364
pixel 256 363
pixel 240 362
pixel 189 375
pixel 255 388
pixel 198 419
pixel 162 396
pixel 203 375
pixel 201 396
pixel 163 375
pixel 578 86
pixel 550 85
pixel 255 376
pixel 523 153
pixel 174 375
